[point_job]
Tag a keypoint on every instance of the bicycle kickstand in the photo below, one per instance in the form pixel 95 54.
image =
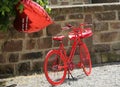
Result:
pixel 69 74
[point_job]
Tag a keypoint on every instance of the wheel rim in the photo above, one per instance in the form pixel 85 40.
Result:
pixel 85 59
pixel 53 71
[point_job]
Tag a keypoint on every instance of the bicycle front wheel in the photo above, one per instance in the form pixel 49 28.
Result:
pixel 85 59
pixel 54 67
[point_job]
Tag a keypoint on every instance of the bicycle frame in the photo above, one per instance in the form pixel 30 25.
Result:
pixel 64 63
pixel 77 41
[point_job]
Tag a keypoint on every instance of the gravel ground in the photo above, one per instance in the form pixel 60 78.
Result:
pixel 105 75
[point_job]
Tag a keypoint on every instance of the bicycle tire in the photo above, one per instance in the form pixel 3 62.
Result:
pixel 52 60
pixel 85 59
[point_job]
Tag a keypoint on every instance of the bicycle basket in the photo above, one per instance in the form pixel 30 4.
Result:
pixel 33 17
pixel 87 32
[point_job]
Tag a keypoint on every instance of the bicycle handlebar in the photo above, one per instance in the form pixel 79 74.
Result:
pixel 69 26
pixel 79 31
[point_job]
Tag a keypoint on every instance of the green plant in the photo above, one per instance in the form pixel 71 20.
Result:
pixel 7 11
pixel 44 3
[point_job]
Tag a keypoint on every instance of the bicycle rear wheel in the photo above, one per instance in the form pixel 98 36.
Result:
pixel 85 59
pixel 54 67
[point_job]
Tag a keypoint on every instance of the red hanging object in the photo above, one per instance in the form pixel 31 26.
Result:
pixel 33 18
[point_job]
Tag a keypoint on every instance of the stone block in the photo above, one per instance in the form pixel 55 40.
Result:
pixel 58 11
pixel 76 16
pixel 64 3
pixel 77 2
pixel 38 66
pixel 109 37
pixel 98 58
pixel 12 46
pixel 3 35
pixel 93 58
pixel 14 34
pixel 53 2
pixel 98 48
pixel 31 44
pixel 115 25
pixel 75 10
pixel 119 37
pixel 60 18
pixel 119 15
pixel 96 38
pixel 65 11
pixel 36 34
pixel 32 56
pixel 116 46
pixel 86 1
pixel 53 29
pixel 104 57
pixel 6 69
pixel 13 58
pixel 104 1
pixel 2 59
pixel 100 26
pixel 111 7
pixel 23 68
pixel 93 9
pixel 44 43
pixel 113 57
pixel 105 16
pixel 88 19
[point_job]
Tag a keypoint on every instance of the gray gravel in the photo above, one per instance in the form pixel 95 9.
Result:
pixel 105 75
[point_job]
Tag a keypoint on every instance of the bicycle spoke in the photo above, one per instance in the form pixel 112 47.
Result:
pixel 85 59
pixel 54 68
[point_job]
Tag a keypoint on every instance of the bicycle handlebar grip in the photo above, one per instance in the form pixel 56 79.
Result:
pixel 65 28
pixel 69 25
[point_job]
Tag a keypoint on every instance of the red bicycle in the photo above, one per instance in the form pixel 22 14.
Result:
pixel 57 64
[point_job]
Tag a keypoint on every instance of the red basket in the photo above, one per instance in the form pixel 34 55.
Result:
pixel 33 18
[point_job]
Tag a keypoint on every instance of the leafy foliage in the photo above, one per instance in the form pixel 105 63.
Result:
pixel 7 11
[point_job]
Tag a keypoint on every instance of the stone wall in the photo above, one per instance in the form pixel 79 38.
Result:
pixel 22 53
